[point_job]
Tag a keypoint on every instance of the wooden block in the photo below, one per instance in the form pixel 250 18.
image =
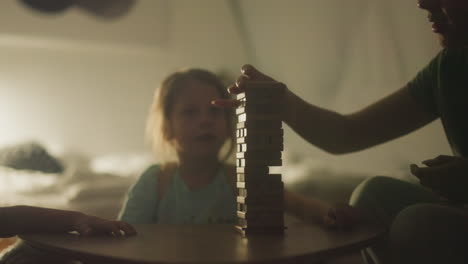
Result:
pixel 261 209
pixel 239 149
pixel 240 97
pixel 257 147
pixel 277 217
pixel 249 215
pixel 260 139
pixel 278 222
pixel 258 99
pixel 242 102
pixel 255 177
pixel 244 117
pixel 241 199
pixel 241 214
pixel 254 147
pixel 260 109
pixel 241 207
pixel 261 98
pixel 239 133
pixel 248 231
pixel 262 187
pixel 240 177
pixel 264 195
pixel 254 170
pixel 255 162
pixel 261 226
pixel 254 209
pixel 259 155
pixel 265 200
pixel 260 124
pixel 265 192
pixel 240 110
pixel 242 192
pixel 260 147
pixel 251 180
pixel 261 194
pixel 244 132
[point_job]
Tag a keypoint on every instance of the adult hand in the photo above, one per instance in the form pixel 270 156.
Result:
pixel 248 75
pixel 445 175
pixel 87 225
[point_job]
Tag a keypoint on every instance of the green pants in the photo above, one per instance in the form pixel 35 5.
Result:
pixel 422 227
pixel 22 253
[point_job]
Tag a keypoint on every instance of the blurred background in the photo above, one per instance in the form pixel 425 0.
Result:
pixel 78 80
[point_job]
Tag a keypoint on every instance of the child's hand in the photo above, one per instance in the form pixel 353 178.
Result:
pixel 342 216
pixel 445 175
pixel 87 225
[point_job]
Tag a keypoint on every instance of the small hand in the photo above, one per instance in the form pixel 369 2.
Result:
pixel 248 74
pixel 343 216
pixel 445 175
pixel 87 225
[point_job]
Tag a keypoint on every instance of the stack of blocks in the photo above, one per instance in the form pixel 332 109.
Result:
pixel 260 203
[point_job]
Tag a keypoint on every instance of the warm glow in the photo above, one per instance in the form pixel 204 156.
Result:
pixel 8 112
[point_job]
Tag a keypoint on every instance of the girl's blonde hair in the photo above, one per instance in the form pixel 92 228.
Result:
pixel 157 124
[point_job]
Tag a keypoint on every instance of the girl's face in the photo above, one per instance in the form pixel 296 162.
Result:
pixel 197 128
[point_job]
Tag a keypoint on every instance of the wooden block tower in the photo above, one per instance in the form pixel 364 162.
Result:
pixel 260 203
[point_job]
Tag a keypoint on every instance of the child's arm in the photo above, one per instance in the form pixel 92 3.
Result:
pixel 26 219
pixel 305 208
pixel 320 212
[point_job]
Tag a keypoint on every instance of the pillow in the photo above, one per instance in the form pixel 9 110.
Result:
pixel 29 156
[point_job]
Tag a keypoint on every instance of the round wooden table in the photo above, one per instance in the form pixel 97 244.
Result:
pixel 301 243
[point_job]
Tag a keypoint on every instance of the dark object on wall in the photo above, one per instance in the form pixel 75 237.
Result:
pixel 29 156
pixel 48 6
pixel 108 9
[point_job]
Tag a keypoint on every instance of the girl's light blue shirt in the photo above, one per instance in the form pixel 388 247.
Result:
pixel 214 203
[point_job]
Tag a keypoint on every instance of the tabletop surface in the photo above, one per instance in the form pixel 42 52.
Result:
pixel 212 243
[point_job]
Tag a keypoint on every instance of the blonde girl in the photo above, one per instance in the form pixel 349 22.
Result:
pixel 191 184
